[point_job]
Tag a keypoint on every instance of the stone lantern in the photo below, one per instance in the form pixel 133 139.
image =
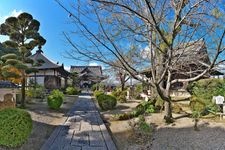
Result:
pixel 8 91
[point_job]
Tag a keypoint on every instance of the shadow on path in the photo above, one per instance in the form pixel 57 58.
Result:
pixel 83 129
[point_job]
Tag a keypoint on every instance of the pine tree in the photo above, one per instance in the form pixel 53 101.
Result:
pixel 24 36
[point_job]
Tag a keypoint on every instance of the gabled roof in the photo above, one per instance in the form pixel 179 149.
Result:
pixel 96 70
pixel 190 56
pixel 192 51
pixel 47 64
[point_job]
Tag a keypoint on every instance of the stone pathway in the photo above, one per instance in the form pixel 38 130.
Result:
pixel 83 130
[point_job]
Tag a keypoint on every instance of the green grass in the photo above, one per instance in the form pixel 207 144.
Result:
pixel 15 127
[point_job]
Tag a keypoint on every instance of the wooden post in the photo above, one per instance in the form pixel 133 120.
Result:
pixel 223 111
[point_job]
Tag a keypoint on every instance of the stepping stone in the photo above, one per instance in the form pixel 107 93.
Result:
pixel 93 148
pixel 80 138
pixel 96 139
pixel 70 147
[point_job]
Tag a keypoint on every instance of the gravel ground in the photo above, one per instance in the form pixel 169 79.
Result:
pixel 44 122
pixel 178 136
pixel 181 136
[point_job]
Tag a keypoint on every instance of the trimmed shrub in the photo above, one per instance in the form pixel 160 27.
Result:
pixel 15 127
pixel 98 93
pixel 106 102
pixel 120 95
pixel 72 91
pixel 55 99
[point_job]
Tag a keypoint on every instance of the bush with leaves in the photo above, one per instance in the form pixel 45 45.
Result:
pixel 36 92
pixel 94 87
pixel 15 127
pixel 144 107
pixel 202 93
pixel 98 93
pixel 120 95
pixel 106 102
pixel 137 91
pixel 143 126
pixel 55 99
pixel 97 86
pixel 72 91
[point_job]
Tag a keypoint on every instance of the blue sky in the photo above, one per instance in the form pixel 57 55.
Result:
pixel 54 20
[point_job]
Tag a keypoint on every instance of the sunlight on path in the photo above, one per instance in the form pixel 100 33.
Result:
pixel 83 130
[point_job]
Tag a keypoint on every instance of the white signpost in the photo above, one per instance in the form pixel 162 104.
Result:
pixel 219 100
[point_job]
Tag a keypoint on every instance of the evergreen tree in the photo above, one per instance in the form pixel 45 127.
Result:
pixel 23 32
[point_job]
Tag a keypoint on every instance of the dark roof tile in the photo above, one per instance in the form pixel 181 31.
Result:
pixel 8 84
pixel 97 70
pixel 46 62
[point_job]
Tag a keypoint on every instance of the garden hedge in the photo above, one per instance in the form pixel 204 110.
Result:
pixel 72 91
pixel 15 127
pixel 106 102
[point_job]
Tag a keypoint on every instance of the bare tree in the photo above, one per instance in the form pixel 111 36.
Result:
pixel 122 76
pixel 116 66
pixel 165 33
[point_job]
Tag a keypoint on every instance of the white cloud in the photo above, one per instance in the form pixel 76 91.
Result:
pixel 93 64
pixel 67 68
pixel 13 13
pixel 96 64
pixel 146 53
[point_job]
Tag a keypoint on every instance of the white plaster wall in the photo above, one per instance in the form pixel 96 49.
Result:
pixel 39 80
pixel 46 72
pixel 63 82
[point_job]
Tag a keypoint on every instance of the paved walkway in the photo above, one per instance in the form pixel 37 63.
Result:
pixel 83 130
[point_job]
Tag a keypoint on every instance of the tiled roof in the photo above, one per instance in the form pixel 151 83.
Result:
pixel 8 84
pixel 188 55
pixel 46 62
pixel 192 51
pixel 97 70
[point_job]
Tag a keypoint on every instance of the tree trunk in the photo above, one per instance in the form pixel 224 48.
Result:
pixel 168 112
pixel 122 86
pixel 23 91
pixel 196 124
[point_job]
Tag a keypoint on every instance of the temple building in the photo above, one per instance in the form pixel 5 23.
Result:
pixel 50 75
pixel 88 75
pixel 190 61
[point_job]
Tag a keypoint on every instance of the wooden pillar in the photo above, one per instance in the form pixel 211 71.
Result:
pixel 66 81
pixel 35 80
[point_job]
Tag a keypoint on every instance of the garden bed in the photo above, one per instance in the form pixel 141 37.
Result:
pixel 211 132
pixel 122 133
